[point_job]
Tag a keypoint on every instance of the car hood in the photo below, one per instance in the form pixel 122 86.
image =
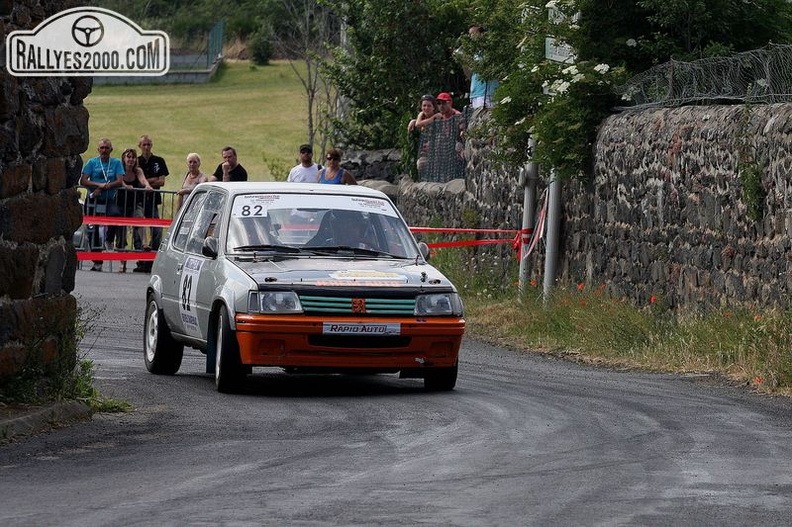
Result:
pixel 344 272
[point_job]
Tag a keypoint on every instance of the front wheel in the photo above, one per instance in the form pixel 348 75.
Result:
pixel 229 372
pixel 441 379
pixel 162 354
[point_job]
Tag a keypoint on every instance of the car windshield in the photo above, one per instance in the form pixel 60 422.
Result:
pixel 318 224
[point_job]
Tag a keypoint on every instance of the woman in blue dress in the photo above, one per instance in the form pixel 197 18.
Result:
pixel 333 174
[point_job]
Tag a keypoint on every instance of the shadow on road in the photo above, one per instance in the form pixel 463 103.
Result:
pixel 273 382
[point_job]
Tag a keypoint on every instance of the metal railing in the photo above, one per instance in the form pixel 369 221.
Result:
pixel 129 225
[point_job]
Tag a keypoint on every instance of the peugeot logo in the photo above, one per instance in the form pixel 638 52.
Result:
pixel 87 31
pixel 358 305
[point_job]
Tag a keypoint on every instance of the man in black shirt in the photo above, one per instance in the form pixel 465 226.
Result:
pixel 155 169
pixel 230 169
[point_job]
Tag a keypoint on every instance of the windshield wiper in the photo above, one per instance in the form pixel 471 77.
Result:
pixel 354 250
pixel 269 247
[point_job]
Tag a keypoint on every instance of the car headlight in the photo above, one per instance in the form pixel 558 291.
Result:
pixel 438 304
pixel 274 302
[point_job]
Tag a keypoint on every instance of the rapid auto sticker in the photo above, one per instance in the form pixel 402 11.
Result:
pixel 189 289
pixel 354 328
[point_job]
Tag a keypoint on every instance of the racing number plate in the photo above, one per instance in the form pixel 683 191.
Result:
pixel 358 328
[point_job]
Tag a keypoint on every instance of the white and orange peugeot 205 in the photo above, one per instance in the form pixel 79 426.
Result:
pixel 308 278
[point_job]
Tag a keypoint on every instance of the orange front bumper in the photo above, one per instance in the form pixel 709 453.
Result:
pixel 302 341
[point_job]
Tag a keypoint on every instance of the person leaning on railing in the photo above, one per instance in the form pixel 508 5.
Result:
pixel 101 175
pixel 428 114
pixel 192 178
pixel 155 169
pixel 128 198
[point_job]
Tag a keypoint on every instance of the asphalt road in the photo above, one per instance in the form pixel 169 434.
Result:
pixel 523 440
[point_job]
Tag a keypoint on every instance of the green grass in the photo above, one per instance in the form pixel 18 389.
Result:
pixel 748 345
pixel 260 111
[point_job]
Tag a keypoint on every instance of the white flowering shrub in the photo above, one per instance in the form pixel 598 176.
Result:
pixel 561 104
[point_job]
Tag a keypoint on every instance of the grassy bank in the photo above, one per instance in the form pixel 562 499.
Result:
pixel 749 346
pixel 258 110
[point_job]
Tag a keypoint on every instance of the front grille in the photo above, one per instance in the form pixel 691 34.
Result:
pixel 354 341
pixel 344 305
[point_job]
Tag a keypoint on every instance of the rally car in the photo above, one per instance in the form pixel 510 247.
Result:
pixel 308 278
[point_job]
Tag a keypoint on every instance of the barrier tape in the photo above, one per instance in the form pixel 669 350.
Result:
pixel 122 221
pixel 116 257
pixel 522 238
pixel 476 231
pixel 522 253
pixel 468 242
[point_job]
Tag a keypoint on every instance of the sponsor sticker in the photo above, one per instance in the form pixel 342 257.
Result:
pixel 257 204
pixel 188 298
pixel 358 328
pixel 84 42
pixel 365 274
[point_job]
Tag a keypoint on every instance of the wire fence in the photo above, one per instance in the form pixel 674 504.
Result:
pixel 441 150
pixel 759 76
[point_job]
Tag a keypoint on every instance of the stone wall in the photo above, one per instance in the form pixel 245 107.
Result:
pixel 663 215
pixel 380 165
pixel 666 214
pixel 43 129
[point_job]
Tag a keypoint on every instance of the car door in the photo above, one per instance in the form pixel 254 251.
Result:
pixel 201 275
pixel 173 258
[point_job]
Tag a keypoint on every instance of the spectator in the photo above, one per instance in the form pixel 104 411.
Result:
pixel 333 174
pixel 128 197
pixel 192 178
pixel 101 175
pixel 441 152
pixel 307 171
pixel 481 90
pixel 427 115
pixel 230 169
pixel 155 169
pixel 445 104
pixel 448 112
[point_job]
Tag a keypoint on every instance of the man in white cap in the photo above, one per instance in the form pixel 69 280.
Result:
pixel 307 171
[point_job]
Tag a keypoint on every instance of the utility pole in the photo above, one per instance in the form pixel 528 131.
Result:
pixel 529 175
pixel 553 233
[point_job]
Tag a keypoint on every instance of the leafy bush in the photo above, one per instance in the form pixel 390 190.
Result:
pixel 259 46
pixel 561 104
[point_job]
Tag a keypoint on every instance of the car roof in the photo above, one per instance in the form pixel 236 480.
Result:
pixel 247 187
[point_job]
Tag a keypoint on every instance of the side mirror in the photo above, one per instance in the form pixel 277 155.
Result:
pixel 424 250
pixel 210 247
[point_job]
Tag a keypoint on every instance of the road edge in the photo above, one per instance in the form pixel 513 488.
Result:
pixel 43 418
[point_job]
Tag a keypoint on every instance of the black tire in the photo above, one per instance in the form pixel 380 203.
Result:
pixel 162 354
pixel 229 372
pixel 441 379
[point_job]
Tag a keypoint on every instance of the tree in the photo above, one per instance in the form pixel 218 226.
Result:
pixel 395 51
pixel 306 31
